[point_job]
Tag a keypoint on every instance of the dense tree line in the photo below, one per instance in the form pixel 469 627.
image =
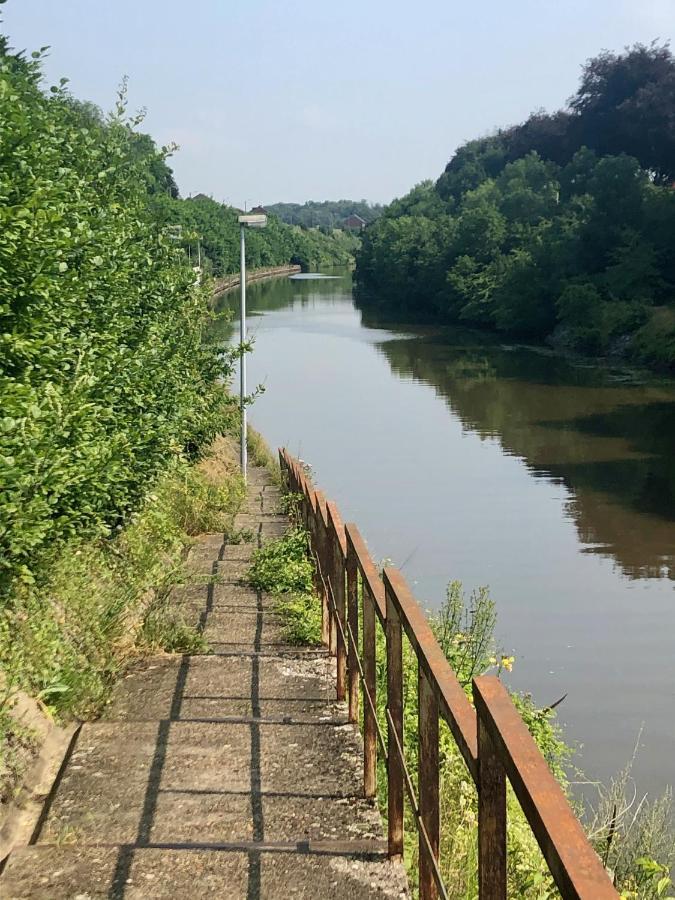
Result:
pixel 211 229
pixel 325 214
pixel 560 228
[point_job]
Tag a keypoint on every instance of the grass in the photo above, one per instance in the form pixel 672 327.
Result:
pixel 261 455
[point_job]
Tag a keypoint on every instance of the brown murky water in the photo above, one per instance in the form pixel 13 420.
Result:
pixel 461 457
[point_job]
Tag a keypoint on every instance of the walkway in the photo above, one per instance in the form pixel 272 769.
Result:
pixel 232 774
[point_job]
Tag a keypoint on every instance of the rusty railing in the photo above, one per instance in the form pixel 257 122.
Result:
pixel 490 735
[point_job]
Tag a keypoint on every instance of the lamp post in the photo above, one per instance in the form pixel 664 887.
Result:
pixel 246 221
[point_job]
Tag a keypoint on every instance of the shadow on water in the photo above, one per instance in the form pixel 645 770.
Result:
pixel 606 438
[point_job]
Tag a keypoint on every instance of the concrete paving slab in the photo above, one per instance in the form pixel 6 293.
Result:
pixel 249 628
pixel 66 873
pixel 194 687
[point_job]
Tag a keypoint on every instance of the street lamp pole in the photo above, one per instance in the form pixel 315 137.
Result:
pixel 242 362
pixel 246 221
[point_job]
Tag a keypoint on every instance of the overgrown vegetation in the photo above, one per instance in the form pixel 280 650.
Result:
pixel 284 569
pixel 17 744
pixel 66 639
pixel 561 228
pixel 104 374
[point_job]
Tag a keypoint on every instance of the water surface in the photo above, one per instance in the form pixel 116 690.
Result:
pixel 461 457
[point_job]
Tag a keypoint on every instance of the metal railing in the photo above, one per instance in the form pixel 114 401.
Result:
pixel 490 735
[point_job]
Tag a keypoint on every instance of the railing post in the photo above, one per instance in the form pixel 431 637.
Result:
pixel 491 819
pixel 394 727
pixel 353 642
pixel 370 678
pixel 338 583
pixel 428 783
pixel 323 574
pixel 330 569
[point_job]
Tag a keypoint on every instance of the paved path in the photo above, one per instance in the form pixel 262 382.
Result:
pixel 233 774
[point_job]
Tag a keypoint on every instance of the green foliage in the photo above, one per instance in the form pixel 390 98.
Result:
pixel 633 836
pixel 200 504
pixel 17 745
pixel 302 617
pixel 215 227
pixel 654 343
pixel 284 569
pixel 557 229
pixel 165 629
pixel 104 374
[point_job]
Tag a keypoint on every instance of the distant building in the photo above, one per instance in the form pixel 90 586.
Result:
pixel 354 223
pixel 259 211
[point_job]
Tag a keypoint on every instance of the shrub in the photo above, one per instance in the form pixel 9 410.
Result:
pixel 104 374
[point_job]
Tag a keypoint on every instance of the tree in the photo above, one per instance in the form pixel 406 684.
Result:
pixel 626 104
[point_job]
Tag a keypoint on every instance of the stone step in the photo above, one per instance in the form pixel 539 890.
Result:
pixel 208 593
pixel 256 630
pixel 206 562
pixel 177 781
pixel 68 873
pixel 198 686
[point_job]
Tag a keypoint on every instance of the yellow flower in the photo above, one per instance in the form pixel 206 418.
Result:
pixel 507 662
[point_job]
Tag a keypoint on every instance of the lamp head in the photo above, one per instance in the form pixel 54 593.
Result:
pixel 253 220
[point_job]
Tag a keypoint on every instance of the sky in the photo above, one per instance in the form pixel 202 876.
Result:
pixel 292 100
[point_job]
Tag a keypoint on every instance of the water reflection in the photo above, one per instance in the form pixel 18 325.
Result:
pixel 608 441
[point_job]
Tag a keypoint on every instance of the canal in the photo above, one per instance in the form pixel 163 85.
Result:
pixel 463 457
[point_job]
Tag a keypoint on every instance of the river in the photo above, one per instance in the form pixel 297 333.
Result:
pixel 462 457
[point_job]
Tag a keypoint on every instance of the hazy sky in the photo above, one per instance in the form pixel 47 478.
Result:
pixel 306 99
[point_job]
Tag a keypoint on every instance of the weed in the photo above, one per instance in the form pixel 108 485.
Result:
pixel 17 745
pixel 283 568
pixel 302 617
pixel 165 629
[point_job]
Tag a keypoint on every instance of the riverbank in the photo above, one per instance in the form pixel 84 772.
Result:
pixel 555 347
pixel 230 282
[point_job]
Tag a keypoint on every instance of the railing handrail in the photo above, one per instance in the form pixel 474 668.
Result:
pixel 367 569
pixel 492 737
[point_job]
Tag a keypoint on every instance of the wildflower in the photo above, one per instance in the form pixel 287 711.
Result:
pixel 507 662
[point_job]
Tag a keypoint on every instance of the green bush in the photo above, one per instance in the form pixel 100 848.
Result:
pixel 103 371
